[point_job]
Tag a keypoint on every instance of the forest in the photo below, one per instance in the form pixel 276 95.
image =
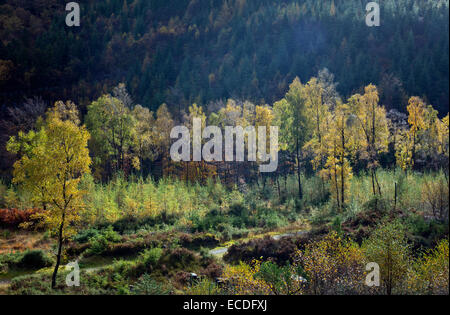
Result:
pixel 86 173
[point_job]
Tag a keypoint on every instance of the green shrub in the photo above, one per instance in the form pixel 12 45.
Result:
pixel 270 218
pixel 282 279
pixel 151 257
pixel 35 259
pixel 426 233
pixel 111 235
pixel 101 241
pixel 31 259
pixel 337 224
pixel 146 285
pixel 99 245
pixel 3 268
pixel 179 258
pixel 125 268
pixel 84 236
pixel 210 221
pixel 203 287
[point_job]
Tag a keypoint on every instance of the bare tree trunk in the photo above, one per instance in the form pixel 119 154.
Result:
pixel 377 182
pixel 278 188
pixel 342 187
pixel 337 188
pixel 58 255
pixel 342 169
pixel 300 190
pixel 395 197
pixel 373 182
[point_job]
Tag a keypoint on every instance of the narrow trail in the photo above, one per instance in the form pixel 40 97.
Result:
pixel 223 250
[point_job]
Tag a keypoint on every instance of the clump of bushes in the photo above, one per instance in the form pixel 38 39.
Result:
pixel 179 258
pixel 279 251
pixel 361 226
pixel 35 259
pixel 203 286
pixel 30 259
pixel 425 233
pixel 101 240
pixel 151 257
pixel 197 240
pixel 3 268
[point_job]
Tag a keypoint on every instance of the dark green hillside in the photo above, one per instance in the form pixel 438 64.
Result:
pixel 185 51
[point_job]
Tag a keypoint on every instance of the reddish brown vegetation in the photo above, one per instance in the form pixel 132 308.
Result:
pixel 12 218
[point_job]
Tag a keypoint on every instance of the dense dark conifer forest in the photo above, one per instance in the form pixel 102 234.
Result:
pixel 186 51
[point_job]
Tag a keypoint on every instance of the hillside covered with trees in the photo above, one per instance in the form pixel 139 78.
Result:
pixel 186 51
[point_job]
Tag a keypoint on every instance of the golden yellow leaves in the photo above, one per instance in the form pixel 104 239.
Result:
pixel 427 135
pixel 430 273
pixel 333 265
pixel 51 168
pixel 244 281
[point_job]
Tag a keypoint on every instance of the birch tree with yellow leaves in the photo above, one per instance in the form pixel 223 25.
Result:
pixel 319 114
pixel 338 141
pixel 144 136
pixel 371 129
pixel 426 140
pixel 51 170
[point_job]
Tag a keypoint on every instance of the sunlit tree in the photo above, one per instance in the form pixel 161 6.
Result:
pixel 292 119
pixel 430 274
pixel 372 129
pixel 339 144
pixel 388 247
pixel 144 136
pixel 51 170
pixel 112 127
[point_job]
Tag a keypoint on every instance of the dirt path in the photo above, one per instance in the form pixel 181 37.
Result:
pixel 220 251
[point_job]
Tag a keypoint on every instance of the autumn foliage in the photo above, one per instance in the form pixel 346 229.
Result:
pixel 13 218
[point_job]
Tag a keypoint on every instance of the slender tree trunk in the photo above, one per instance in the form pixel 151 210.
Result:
pixel 373 182
pixel 323 188
pixel 285 183
pixel 395 197
pixel 377 182
pixel 300 190
pixel 342 169
pixel 278 188
pixel 342 187
pixel 337 188
pixel 58 255
pixel 413 155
